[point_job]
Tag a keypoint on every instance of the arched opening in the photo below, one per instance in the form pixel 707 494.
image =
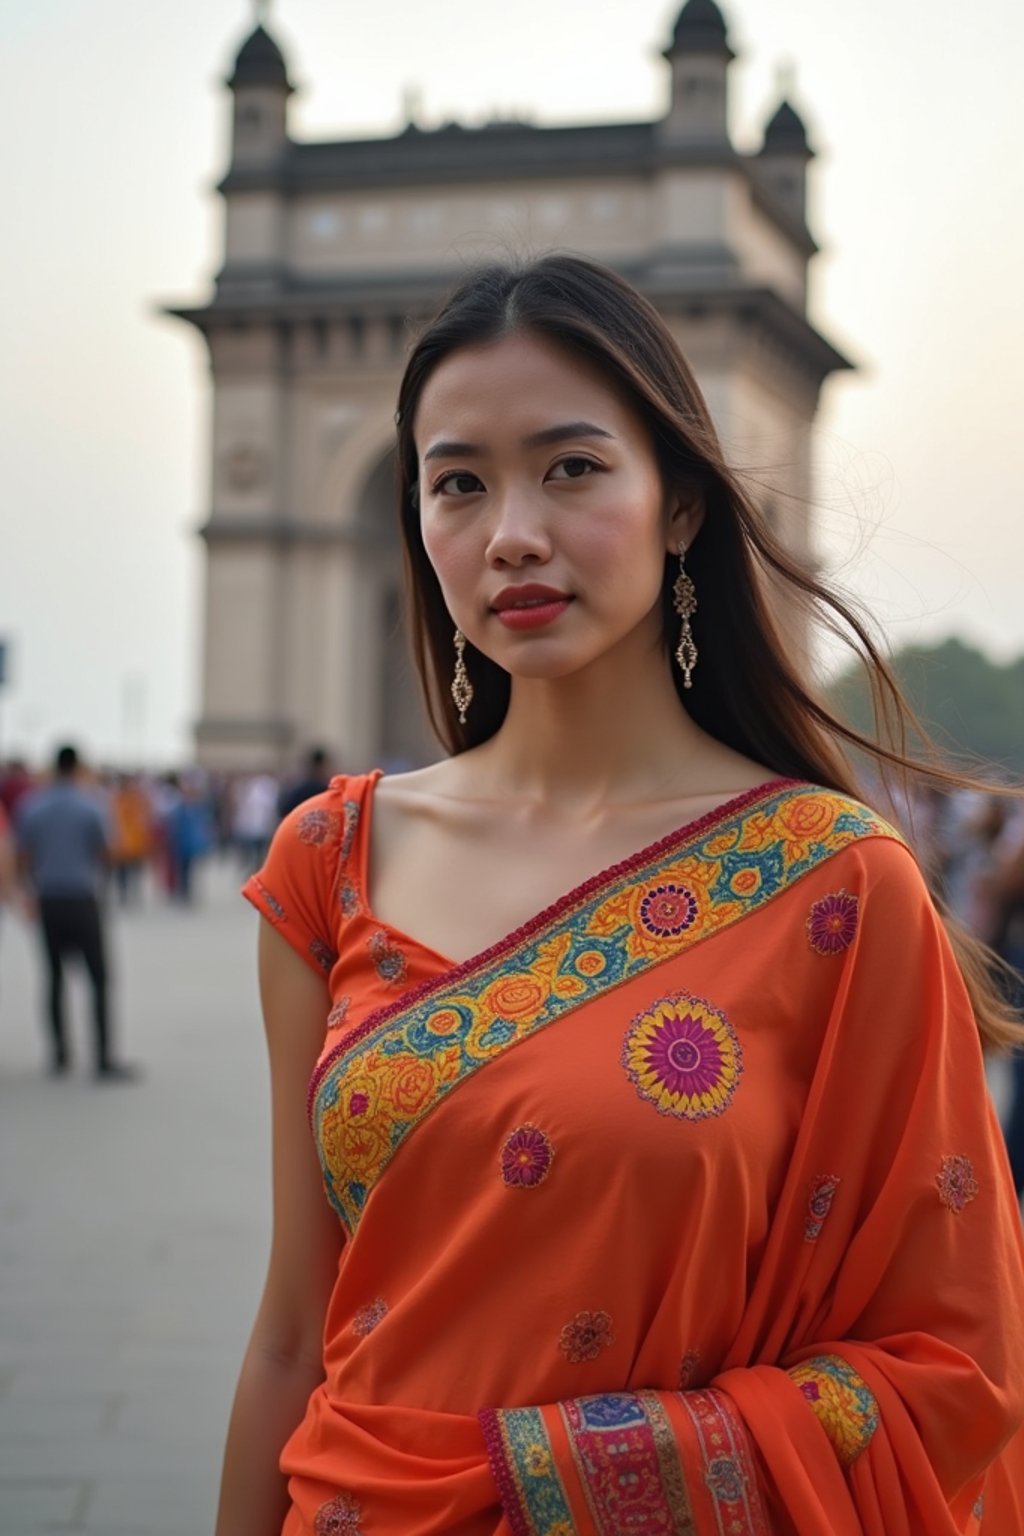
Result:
pixel 401 735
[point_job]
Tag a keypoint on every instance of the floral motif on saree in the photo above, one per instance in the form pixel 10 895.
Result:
pixel 350 812
pixel 369 1317
pixel 526 1158
pixel 610 930
pixel 832 924
pixel 388 958
pixel 323 955
pixel 683 1056
pixel 585 1337
pixel 317 827
pixel 956 1183
pixel 842 1402
pixel 275 907
pixel 339 1012
pixel 688 1368
pixel 819 1203
pixel 339 1517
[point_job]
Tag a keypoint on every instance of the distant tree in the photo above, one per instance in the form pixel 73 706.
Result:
pixel 973 707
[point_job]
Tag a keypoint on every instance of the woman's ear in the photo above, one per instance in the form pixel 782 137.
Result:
pixel 686 515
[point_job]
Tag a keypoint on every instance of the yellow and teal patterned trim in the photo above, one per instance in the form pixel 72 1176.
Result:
pixel 383 1079
pixel 842 1402
pixel 529 1487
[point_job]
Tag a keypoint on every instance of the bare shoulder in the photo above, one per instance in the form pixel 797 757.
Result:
pixel 441 795
pixel 415 790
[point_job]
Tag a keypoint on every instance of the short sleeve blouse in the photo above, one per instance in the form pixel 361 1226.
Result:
pixel 313 890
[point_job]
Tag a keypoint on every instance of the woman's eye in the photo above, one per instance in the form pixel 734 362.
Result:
pixel 458 483
pixel 574 468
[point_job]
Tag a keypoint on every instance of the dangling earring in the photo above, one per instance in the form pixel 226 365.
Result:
pixel 462 688
pixel 684 596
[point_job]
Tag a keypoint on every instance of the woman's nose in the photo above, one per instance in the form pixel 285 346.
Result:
pixel 519 533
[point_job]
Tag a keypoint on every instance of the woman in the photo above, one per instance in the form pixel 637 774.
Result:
pixel 663 1194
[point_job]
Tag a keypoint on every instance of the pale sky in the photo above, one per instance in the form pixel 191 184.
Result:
pixel 114 121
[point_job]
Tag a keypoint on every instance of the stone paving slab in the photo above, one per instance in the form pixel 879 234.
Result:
pixel 133 1226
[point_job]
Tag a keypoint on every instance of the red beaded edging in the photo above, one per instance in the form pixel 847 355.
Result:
pixel 504 1481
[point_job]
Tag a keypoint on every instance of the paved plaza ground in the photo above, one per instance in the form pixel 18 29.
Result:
pixel 133 1227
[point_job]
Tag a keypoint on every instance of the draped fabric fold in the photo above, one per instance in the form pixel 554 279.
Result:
pixel 684 1209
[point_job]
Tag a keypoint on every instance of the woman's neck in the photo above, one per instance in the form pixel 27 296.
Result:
pixel 614 733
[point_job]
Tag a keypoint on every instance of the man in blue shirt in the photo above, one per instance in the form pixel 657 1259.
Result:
pixel 63 852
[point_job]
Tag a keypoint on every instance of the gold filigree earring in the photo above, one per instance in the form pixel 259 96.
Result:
pixel 684 597
pixel 462 688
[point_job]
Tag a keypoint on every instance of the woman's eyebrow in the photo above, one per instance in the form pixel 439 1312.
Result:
pixel 559 434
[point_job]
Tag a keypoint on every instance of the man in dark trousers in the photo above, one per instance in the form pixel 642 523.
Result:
pixel 63 853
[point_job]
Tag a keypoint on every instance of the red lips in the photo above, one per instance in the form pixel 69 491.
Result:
pixel 527 595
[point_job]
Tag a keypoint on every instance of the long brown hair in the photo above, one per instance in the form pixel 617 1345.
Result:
pixel 747 692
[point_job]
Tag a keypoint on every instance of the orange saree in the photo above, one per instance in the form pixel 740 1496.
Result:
pixel 681 1210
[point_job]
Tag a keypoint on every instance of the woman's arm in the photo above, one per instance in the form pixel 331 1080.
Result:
pixel 284 1360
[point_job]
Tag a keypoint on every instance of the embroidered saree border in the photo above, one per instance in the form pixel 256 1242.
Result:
pixel 630 1468
pixel 628 1462
pixel 841 1401
pixel 384 1078
pixel 525 1473
pixel 730 1473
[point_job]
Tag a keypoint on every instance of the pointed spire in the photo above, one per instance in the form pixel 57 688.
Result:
pixel 700 28
pixel 785 133
pixel 259 60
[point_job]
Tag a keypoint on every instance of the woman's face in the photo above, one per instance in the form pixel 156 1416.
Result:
pixel 542 509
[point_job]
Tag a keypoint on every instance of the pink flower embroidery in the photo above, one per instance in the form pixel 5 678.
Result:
pixel 956 1182
pixel 683 1056
pixel 585 1337
pixel 819 1204
pixel 526 1158
pixel 338 1517
pixel 351 812
pixel 322 953
pixel 832 923
pixel 317 827
pixel 668 910
pixel 688 1368
pixel 368 1317
pixel 388 958
pixel 336 1017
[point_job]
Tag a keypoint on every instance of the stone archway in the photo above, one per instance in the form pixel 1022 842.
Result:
pixel 398 723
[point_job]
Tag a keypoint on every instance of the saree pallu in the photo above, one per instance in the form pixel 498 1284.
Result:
pixel 682 1210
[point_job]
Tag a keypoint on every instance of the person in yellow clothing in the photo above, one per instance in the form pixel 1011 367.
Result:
pixel 132 825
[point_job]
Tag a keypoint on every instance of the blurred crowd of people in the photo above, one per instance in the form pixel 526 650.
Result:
pixel 69 834
pixel 165 824
pixel 971 845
